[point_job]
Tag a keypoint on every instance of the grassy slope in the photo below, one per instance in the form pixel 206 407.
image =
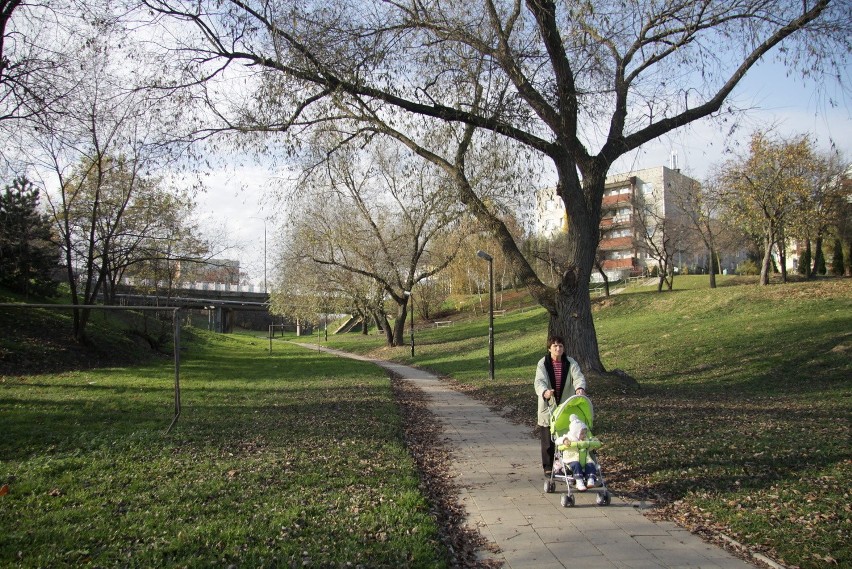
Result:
pixel 742 424
pixel 37 340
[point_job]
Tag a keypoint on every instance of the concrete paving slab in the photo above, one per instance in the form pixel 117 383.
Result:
pixel 497 471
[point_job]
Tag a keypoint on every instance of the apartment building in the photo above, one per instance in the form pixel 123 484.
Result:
pixel 634 203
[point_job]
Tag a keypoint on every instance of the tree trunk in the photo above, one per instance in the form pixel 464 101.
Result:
pixel 604 277
pixel 399 324
pixel 81 318
pixel 782 254
pixel 767 259
pixel 572 321
pixel 712 268
pixel 383 325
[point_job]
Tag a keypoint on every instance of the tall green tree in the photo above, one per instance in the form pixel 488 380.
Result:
pixel 763 191
pixel 805 259
pixel 575 84
pixel 28 255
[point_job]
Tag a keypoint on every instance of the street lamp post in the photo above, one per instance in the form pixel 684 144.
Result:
pixel 264 256
pixel 410 296
pixel 483 255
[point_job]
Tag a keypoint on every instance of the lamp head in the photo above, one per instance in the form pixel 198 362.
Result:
pixel 483 255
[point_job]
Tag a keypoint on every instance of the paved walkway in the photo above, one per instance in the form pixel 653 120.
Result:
pixel 497 466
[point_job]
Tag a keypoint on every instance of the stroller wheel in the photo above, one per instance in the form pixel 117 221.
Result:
pixel 603 498
pixel 549 487
pixel 567 500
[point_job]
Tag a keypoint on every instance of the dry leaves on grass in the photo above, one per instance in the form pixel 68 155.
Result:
pixel 422 436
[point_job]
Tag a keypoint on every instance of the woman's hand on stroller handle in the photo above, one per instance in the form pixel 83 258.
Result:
pixel 548 393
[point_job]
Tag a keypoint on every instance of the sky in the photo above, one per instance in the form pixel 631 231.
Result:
pixel 235 209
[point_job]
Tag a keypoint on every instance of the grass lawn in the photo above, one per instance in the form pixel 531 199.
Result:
pixel 290 459
pixel 741 427
pixel 742 424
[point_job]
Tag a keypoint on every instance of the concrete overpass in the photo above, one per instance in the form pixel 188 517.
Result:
pixel 220 306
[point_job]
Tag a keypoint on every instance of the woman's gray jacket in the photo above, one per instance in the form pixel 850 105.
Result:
pixel 544 380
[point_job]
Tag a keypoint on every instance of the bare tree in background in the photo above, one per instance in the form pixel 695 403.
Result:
pixel 378 215
pixel 94 150
pixel 662 235
pixel 700 206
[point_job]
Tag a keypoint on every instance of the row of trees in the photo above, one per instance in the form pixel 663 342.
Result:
pixel 785 191
pixel 102 226
pixel 780 192
pixel 99 150
pixel 488 94
pixel 543 77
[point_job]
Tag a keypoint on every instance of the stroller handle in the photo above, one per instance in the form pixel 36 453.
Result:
pixel 552 405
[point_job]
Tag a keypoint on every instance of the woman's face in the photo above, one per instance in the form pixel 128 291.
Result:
pixel 556 351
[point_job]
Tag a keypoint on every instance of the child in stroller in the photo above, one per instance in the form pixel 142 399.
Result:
pixel 575 457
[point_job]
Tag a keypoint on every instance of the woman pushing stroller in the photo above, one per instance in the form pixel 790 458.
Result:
pixel 552 374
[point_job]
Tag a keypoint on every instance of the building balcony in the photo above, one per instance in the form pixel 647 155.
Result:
pixel 609 201
pixel 616 243
pixel 613 264
pixel 615 221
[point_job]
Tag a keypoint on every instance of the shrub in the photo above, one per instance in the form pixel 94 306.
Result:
pixel 748 267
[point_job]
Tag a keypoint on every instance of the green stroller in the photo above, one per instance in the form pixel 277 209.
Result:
pixel 560 421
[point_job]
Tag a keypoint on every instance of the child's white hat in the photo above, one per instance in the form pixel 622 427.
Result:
pixel 576 428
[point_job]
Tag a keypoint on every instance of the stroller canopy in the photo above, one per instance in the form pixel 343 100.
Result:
pixel 580 405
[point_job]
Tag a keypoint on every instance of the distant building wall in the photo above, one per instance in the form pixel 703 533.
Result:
pixel 622 245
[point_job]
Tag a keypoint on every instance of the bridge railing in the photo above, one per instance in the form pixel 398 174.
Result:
pixel 225 287
pixel 201 285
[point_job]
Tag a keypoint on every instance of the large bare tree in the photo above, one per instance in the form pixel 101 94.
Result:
pixel 699 204
pixel 578 84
